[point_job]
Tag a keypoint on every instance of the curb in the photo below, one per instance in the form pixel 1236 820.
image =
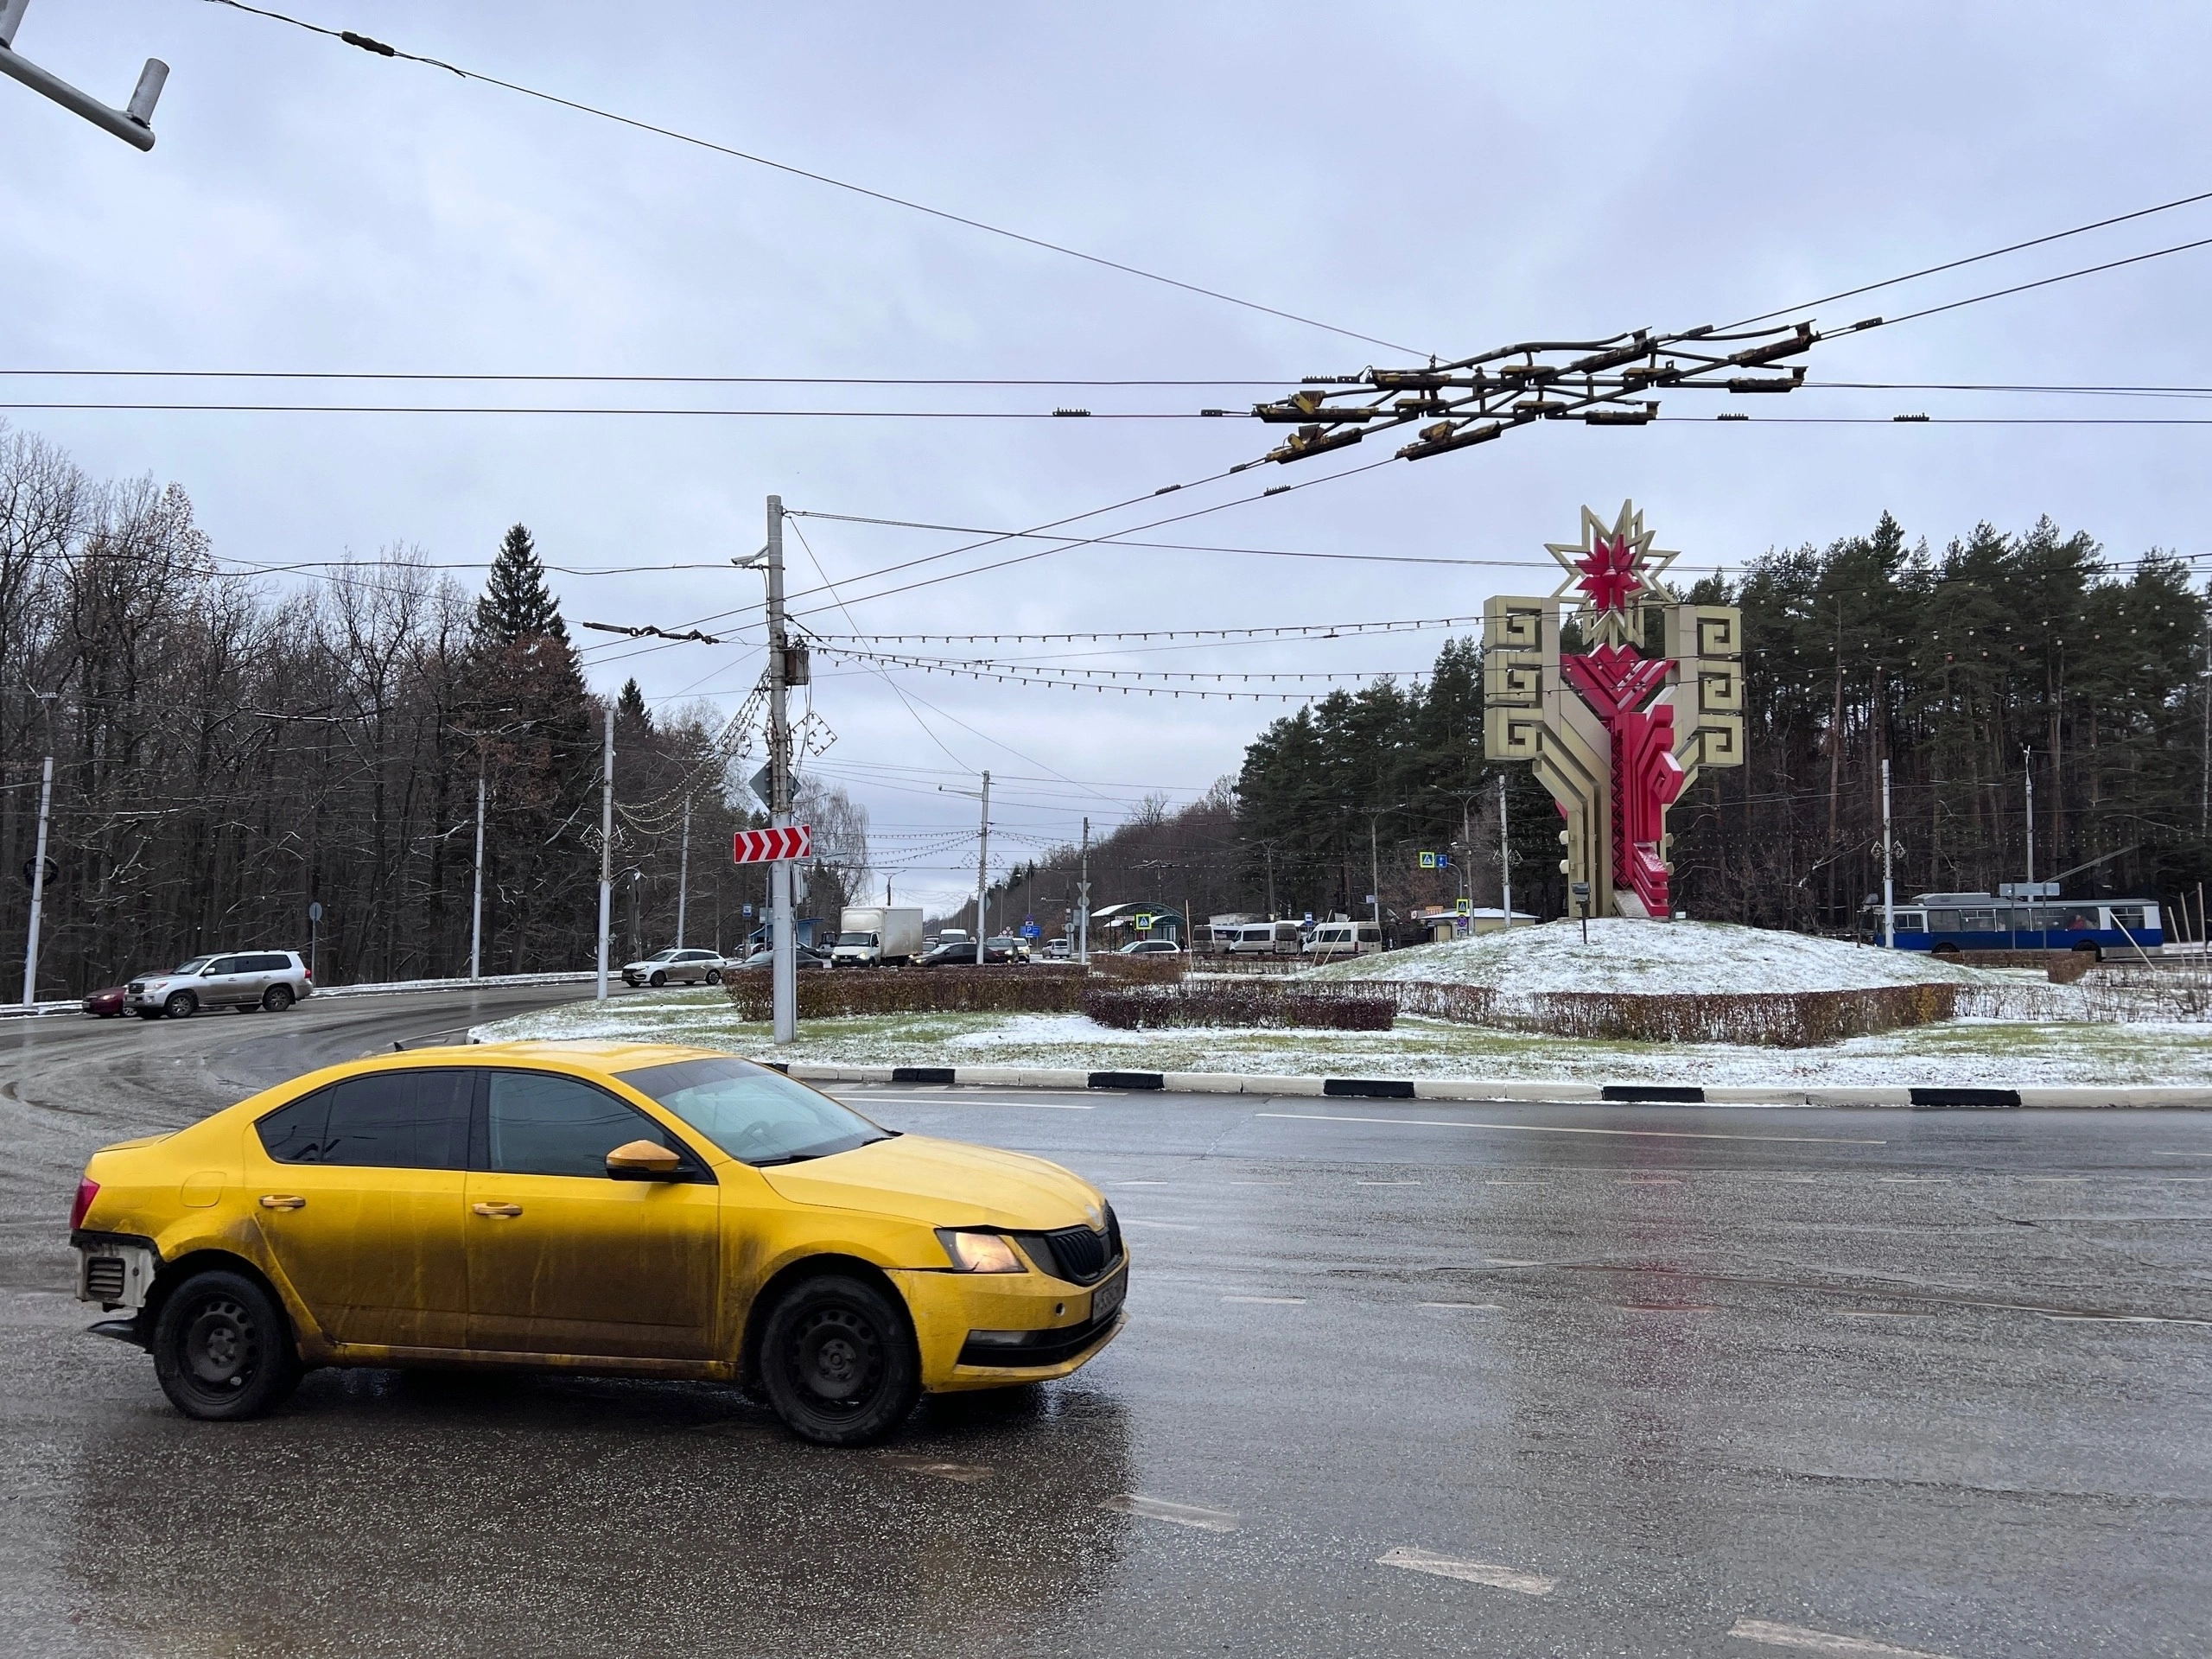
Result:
pixel 1909 1097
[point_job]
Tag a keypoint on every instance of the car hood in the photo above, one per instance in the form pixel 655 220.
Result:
pixel 944 1184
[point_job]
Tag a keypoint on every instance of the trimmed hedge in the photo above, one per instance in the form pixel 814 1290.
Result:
pixel 1158 969
pixel 842 992
pixel 1764 1018
pixel 1215 1004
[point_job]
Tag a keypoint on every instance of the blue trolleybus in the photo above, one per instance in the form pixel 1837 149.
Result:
pixel 1948 923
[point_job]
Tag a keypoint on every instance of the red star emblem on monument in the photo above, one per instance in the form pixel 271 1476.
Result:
pixel 1609 574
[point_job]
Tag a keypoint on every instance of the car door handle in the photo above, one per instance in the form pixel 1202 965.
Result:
pixel 497 1211
pixel 282 1201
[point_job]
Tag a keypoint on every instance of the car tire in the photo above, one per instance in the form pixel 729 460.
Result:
pixel 658 979
pixel 714 975
pixel 278 998
pixel 223 1349
pixel 838 1361
pixel 181 1005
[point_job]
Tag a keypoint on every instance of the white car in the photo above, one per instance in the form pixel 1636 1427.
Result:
pixel 684 967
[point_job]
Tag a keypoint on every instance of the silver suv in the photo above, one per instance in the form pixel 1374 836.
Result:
pixel 251 979
pixel 686 966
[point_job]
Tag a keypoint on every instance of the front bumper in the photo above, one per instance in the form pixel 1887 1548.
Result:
pixel 1059 1333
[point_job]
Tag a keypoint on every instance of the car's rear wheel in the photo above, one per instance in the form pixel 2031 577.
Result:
pixel 838 1361
pixel 714 975
pixel 223 1349
pixel 278 998
pixel 181 1005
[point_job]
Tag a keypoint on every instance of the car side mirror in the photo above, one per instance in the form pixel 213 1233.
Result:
pixel 643 1161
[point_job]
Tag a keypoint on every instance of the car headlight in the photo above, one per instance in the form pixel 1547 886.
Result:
pixel 978 1252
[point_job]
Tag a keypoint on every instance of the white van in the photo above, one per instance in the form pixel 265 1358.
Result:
pixel 1345 939
pixel 1265 939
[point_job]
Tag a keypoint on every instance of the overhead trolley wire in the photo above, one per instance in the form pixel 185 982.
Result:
pixel 381 49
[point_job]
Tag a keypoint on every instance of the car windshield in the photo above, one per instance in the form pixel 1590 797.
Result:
pixel 193 966
pixel 757 1115
pixel 856 938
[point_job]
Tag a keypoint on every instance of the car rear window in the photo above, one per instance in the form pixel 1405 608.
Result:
pixel 756 1115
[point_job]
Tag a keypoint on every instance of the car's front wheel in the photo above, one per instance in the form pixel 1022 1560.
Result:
pixel 838 1361
pixel 223 1349
pixel 658 979
pixel 181 1005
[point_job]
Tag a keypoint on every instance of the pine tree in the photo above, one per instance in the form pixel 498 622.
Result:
pixel 516 604
pixel 630 707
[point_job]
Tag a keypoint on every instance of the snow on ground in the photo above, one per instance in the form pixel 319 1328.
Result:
pixel 1655 958
pixel 1995 1053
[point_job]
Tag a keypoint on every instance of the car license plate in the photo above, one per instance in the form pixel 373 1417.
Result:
pixel 1107 1298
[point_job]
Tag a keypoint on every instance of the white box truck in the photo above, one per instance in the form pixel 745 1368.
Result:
pixel 877 936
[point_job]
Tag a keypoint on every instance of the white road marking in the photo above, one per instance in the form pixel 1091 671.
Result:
pixel 1474 1307
pixel 2050 1180
pixel 1796 1636
pixel 1269 1301
pixel 1507 1261
pixel 1562 1129
pixel 1358 1183
pixel 2157 1151
pixel 1136 1183
pixel 966 1473
pixel 1497 1577
pixel 1932 1180
pixel 1182 1515
pixel 1176 1226
pixel 2120 1319
pixel 1878 1313
pixel 1651 1180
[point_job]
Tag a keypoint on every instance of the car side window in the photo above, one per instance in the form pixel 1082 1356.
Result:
pixel 293 1133
pixel 220 965
pixel 268 965
pixel 540 1123
pixel 400 1120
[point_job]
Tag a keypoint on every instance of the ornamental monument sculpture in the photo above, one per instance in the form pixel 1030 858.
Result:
pixel 1615 735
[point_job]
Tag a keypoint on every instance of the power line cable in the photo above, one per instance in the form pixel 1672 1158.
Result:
pixel 1976 258
pixel 459 378
pixel 381 49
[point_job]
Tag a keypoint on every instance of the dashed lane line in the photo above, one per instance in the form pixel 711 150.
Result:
pixel 1487 1572
pixel 1173 1226
pixel 1471 1307
pixel 1796 1636
pixel 1563 1128
pixel 1268 1301
pixel 1181 1515
pixel 966 1474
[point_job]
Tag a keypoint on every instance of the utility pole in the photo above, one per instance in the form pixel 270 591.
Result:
pixel 1374 873
pixel 476 900
pixel 606 846
pixel 684 873
pixel 133 124
pixel 1504 855
pixel 983 872
pixel 38 868
pixel 1083 902
pixel 2028 763
pixel 1889 852
pixel 783 962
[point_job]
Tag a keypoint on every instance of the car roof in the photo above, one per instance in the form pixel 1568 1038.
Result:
pixel 606 1059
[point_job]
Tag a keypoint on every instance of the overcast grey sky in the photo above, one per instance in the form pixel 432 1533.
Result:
pixel 1449 176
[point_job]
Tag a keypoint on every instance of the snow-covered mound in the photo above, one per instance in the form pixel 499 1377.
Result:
pixel 1653 958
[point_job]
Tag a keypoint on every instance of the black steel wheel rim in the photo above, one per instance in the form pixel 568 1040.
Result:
pixel 219 1349
pixel 836 1359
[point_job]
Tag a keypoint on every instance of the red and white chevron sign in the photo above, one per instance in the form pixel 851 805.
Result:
pixel 772 846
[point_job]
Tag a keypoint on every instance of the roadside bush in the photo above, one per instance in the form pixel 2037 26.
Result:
pixel 838 994
pixel 1766 1019
pixel 1216 1004
pixel 1160 970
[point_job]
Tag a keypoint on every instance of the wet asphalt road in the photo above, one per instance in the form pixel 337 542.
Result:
pixel 1940 1381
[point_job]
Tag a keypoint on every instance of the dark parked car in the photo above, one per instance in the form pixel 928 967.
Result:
pixel 107 1004
pixel 956 953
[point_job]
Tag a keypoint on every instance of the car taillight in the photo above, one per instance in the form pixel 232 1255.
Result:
pixel 87 1190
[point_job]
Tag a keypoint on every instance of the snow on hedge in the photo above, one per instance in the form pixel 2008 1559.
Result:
pixel 1654 958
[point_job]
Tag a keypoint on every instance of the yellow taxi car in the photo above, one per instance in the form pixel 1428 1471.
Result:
pixel 602 1207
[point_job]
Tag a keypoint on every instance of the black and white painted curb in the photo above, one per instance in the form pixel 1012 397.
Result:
pixel 1474 1089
